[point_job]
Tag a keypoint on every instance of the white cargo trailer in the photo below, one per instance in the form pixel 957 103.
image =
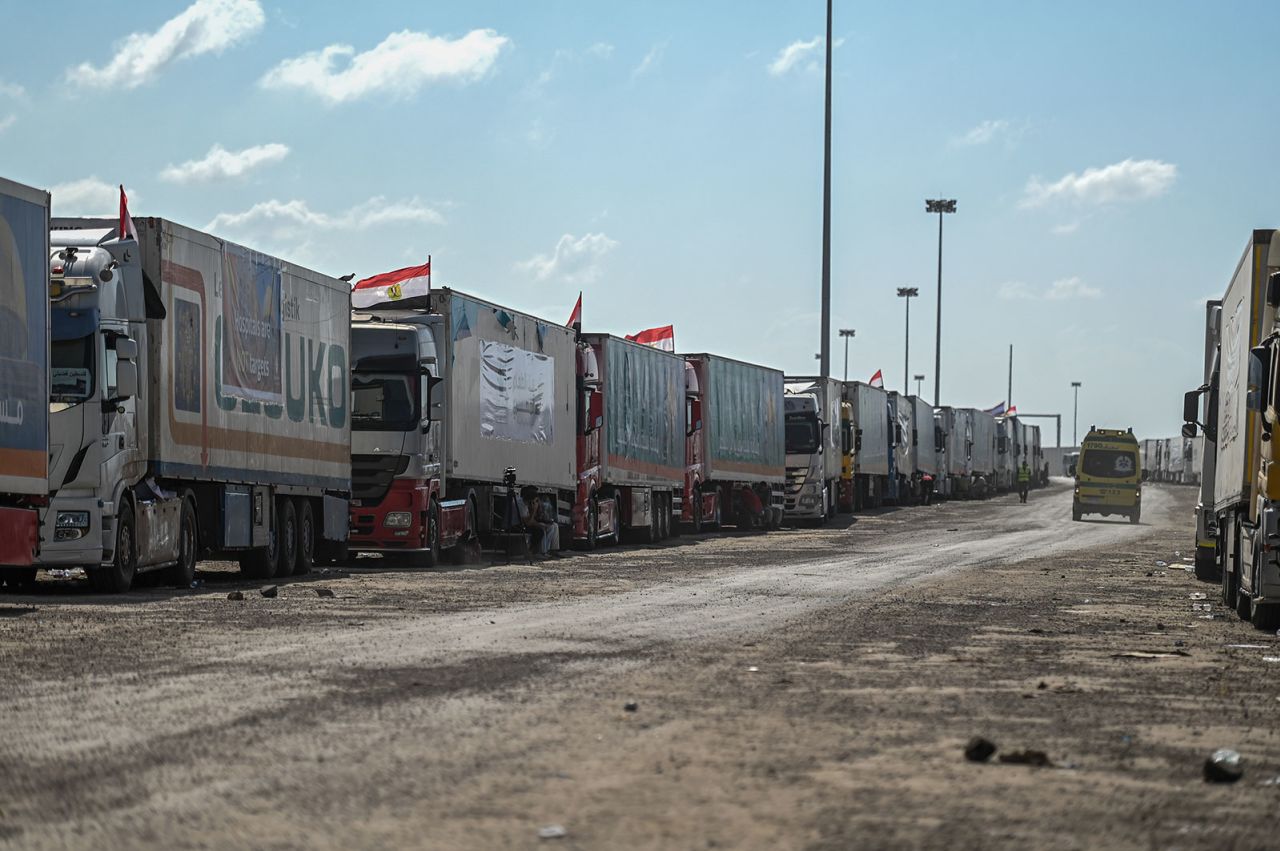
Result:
pixel 872 443
pixel 199 405
pixel 510 380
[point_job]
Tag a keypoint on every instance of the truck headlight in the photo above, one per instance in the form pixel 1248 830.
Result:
pixel 72 520
pixel 398 520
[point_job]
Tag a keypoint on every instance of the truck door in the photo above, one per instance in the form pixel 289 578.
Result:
pixel 119 415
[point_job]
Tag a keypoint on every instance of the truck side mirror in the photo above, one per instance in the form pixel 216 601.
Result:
pixel 126 378
pixel 1188 429
pixel 435 406
pixel 1071 471
pixel 1273 289
pixel 1191 406
pixel 1145 473
pixel 126 348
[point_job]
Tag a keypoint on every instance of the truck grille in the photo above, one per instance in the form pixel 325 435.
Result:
pixel 796 477
pixel 371 476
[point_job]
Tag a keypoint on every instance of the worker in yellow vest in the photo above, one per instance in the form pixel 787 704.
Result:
pixel 1024 481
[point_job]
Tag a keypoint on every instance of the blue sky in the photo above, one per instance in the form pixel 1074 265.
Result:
pixel 666 158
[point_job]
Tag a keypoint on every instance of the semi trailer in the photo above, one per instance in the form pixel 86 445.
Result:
pixel 872 443
pixel 198 405
pixel 742 441
pixel 24 377
pixel 815 448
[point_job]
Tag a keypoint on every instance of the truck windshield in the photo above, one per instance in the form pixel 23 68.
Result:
pixel 802 434
pixel 71 370
pixel 1109 463
pixel 383 401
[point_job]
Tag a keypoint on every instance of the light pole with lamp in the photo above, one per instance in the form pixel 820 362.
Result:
pixel 939 206
pixel 907 293
pixel 1075 413
pixel 847 333
pixel 918 379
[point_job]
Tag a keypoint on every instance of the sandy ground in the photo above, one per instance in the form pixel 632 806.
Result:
pixel 808 689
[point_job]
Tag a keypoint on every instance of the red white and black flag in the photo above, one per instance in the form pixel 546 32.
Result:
pixel 127 230
pixel 877 380
pixel 660 338
pixel 575 318
pixel 391 287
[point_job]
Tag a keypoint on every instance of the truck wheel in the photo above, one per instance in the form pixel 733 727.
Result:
pixel 431 556
pixel 1133 518
pixel 262 563
pixel 19 578
pixel 117 578
pixel 696 496
pixel 306 538
pixel 664 517
pixel 1206 565
pixel 288 538
pixel 676 529
pixel 1264 615
pixel 1076 513
pixel 182 574
pixel 1244 601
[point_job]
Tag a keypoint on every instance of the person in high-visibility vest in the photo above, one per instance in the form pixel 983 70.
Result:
pixel 1024 481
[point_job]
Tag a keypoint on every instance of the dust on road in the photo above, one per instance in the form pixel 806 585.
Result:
pixel 806 689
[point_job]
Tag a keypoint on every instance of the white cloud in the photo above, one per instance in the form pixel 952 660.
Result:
pixel 1067 288
pixel 650 61
pixel 220 163
pixel 1015 290
pixel 983 133
pixel 88 197
pixel 1130 180
pixel 1060 290
pixel 206 26
pixel 600 50
pixel 6 122
pixel 1065 229
pixel 795 54
pixel 397 67
pixel 575 259
pixel 12 90
pixel 291 218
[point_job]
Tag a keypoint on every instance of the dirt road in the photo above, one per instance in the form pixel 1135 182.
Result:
pixel 806 689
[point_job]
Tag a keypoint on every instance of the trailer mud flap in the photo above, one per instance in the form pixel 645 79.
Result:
pixel 19 536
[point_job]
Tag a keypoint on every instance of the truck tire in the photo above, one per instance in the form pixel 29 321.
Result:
pixel 262 563
pixel 182 574
pixel 1076 513
pixel 592 539
pixel 1265 616
pixel 1244 601
pixel 431 555
pixel 306 538
pixel 696 510
pixel 19 578
pixel 1134 517
pixel 676 529
pixel 288 537
pixel 118 576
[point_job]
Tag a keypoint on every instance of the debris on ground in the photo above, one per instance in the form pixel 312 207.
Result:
pixel 631 706
pixel 979 749
pixel 1144 654
pixel 1223 766
pixel 270 591
pixel 236 595
pixel 552 831
pixel 324 592
pixel 1027 756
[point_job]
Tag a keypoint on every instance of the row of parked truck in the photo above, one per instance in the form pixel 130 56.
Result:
pixel 1235 410
pixel 1175 460
pixel 167 396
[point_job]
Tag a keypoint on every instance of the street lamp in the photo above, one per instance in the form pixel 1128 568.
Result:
pixel 918 379
pixel 1075 412
pixel 846 333
pixel 908 293
pixel 824 367
pixel 939 206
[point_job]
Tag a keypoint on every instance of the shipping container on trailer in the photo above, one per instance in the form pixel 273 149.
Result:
pixel 631 443
pixel 924 437
pixel 983 455
pixel 511 383
pixel 24 376
pixel 743 441
pixel 200 405
pixel 872 443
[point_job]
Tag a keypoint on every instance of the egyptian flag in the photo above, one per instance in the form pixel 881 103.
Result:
pixel 391 287
pixel 877 380
pixel 997 411
pixel 660 338
pixel 575 318
pixel 127 230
